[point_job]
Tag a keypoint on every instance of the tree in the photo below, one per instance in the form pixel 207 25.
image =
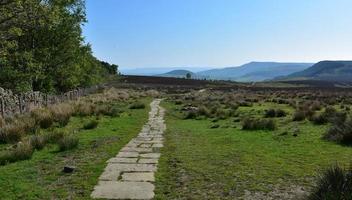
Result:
pixel 188 75
pixel 42 47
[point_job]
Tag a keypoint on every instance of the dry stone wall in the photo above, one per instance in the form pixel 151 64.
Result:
pixel 11 103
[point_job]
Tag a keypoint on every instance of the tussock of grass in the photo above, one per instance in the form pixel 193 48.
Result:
pixel 333 183
pixel 38 142
pixel 43 117
pixel 137 105
pixel 92 124
pixel 62 113
pixel 68 142
pixel 258 124
pixel 22 151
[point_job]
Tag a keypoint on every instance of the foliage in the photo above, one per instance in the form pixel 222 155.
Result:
pixel 22 151
pixel 340 132
pixel 137 105
pixel 258 124
pixel 68 142
pixel 333 183
pixel 92 124
pixel 42 47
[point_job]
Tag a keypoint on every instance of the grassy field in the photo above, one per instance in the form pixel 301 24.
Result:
pixel 41 177
pixel 200 162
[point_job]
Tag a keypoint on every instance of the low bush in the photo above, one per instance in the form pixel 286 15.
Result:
pixel 22 151
pixel 299 116
pixel 12 132
pixel 67 142
pixel 191 114
pixel 274 113
pixel 340 132
pixel 38 141
pixel 258 124
pixel 333 183
pixel 62 113
pixel 319 119
pixel 43 117
pixel 137 105
pixel 2 122
pixel 270 113
pixel 84 109
pixel 92 124
pixel 54 136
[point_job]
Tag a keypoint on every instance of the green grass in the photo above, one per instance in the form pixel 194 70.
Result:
pixel 203 163
pixel 41 177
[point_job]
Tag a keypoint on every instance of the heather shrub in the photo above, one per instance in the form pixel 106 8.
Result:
pixel 38 141
pixel 22 151
pixel 62 113
pixel 2 122
pixel 43 117
pixel 258 124
pixel 298 116
pixel 92 124
pixel 333 183
pixel 12 132
pixel 67 142
pixel 319 119
pixel 270 113
pixel 340 132
pixel 54 136
pixel 84 109
pixel 137 105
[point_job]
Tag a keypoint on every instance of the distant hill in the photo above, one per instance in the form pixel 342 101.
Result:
pixel 157 70
pixel 178 74
pixel 254 71
pixel 326 71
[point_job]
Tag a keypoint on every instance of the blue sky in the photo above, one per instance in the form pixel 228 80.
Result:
pixel 218 33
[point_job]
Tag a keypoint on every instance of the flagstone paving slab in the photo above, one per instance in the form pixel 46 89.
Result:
pixel 130 175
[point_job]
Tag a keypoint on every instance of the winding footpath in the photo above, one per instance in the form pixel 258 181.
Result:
pixel 130 175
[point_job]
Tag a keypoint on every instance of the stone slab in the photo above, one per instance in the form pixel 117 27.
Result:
pixel 123 190
pixel 128 155
pixel 131 167
pixel 139 177
pixel 148 161
pixel 122 160
pixel 150 155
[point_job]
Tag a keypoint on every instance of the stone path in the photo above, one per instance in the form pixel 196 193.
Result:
pixel 130 175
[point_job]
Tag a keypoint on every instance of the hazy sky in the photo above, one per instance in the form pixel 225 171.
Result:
pixel 218 33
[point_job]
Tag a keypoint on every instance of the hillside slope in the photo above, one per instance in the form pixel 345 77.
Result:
pixel 254 71
pixel 178 74
pixel 325 70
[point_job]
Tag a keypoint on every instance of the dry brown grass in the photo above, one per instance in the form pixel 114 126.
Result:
pixel 43 117
pixel 62 113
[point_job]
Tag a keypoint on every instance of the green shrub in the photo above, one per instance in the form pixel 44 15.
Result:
pixel 319 119
pixel 22 151
pixel 43 117
pixel 92 124
pixel 191 114
pixel 12 132
pixel 274 113
pixel 68 142
pixel 54 137
pixel 333 183
pixel 299 116
pixel 38 141
pixel 137 105
pixel 258 124
pixel 62 113
pixel 280 113
pixel 340 132
pixel 270 113
pixel 84 109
